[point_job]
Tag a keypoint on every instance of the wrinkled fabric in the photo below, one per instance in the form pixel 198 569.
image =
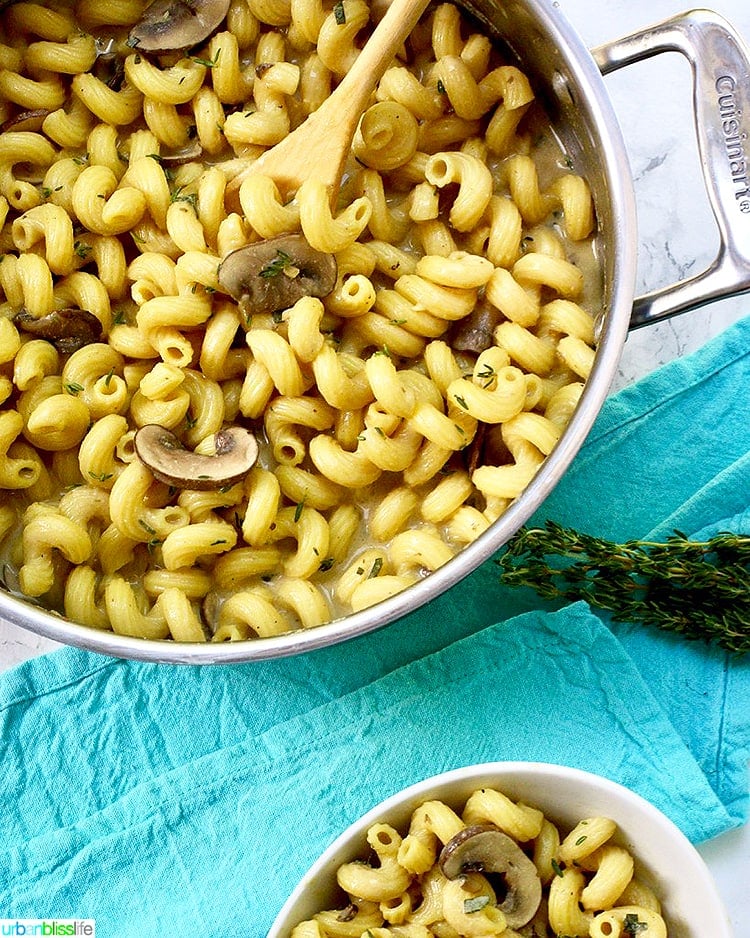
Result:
pixel 151 796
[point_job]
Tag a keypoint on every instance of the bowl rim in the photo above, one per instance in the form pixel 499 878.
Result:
pixel 507 775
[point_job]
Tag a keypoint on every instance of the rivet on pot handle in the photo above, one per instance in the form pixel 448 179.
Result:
pixel 720 64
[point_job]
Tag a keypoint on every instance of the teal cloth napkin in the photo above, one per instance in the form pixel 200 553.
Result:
pixel 150 797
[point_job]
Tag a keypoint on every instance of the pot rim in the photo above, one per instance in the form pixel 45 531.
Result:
pixel 583 75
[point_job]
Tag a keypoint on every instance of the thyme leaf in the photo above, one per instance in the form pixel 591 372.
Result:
pixel 277 266
pixel 475 904
pixel 632 924
pixel 699 590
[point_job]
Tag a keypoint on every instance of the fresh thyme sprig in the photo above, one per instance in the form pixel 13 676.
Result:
pixel 697 589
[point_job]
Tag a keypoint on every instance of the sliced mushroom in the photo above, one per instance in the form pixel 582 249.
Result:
pixel 109 66
pixel 187 154
pixel 236 451
pixel 475 332
pixel 472 454
pixel 210 609
pixel 67 329
pixel 485 849
pixel 272 275
pixel 26 120
pixel 488 448
pixel 177 24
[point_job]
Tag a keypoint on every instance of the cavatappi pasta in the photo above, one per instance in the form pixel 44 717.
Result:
pixel 497 868
pixel 397 416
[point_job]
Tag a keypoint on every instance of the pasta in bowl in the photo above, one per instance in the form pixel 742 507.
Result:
pixel 406 359
pixel 508 849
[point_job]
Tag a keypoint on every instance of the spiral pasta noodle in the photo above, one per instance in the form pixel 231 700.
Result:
pixel 396 411
pixel 491 866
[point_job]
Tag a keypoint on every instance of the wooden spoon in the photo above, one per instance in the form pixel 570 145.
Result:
pixel 319 147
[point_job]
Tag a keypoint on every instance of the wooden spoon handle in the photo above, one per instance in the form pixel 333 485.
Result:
pixel 319 147
pixel 357 85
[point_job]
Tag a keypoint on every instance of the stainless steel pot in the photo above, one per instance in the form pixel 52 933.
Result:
pixel 569 77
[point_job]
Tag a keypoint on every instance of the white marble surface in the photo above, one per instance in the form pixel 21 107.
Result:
pixel 677 237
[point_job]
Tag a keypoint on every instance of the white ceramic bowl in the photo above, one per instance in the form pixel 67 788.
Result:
pixel 665 858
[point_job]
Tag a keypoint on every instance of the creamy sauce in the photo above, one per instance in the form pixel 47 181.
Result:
pixel 550 160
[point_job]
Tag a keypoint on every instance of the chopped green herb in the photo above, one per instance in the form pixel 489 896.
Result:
pixel 326 564
pixel 339 13
pixel 179 195
pixel 460 401
pixel 487 374
pixel 298 510
pixel 697 589
pixel 73 388
pixel 376 568
pixel 100 476
pixel 209 63
pixel 278 265
pixel 475 904
pixel 557 868
pixel 632 925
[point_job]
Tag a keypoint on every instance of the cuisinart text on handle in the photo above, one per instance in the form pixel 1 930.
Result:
pixel 734 137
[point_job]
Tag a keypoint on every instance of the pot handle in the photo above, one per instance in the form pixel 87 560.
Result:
pixel 720 65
